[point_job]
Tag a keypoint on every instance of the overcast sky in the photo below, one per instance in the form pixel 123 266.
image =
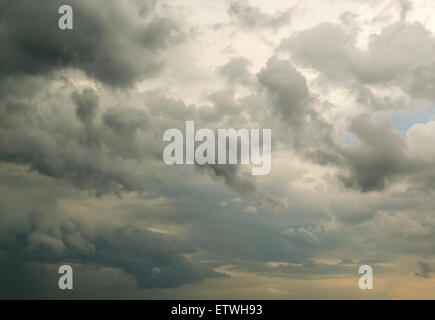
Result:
pixel 351 106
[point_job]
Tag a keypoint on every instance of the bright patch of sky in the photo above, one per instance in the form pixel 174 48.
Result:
pixel 403 121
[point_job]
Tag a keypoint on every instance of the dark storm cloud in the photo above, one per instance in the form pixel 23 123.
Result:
pixel 154 261
pixel 72 136
pixel 290 100
pixel 22 280
pixel 288 90
pixel 250 17
pixel 43 232
pixel 86 105
pixel 169 112
pixel 425 270
pixel 93 139
pixel 116 43
pixel 64 138
pixel 380 155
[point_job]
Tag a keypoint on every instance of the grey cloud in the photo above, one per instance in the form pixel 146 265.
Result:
pixel 405 7
pixel 223 107
pixel 389 59
pixel 391 53
pixel 125 124
pixel 22 280
pixel 90 151
pixel 161 33
pixel 140 252
pixel 87 104
pixel 44 232
pixel 170 111
pixel 112 43
pixel 291 101
pixel 325 47
pixel 236 70
pixel 251 17
pixel 425 270
pixel 383 156
pixel 106 149
pixel 380 155
pixel 74 139
pixel 288 90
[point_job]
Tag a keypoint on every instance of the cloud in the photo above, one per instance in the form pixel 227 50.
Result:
pixel 383 156
pixel 380 155
pixel 405 6
pixel 236 71
pixel 86 105
pixel 243 183
pixel 66 138
pixel 425 270
pixel 302 127
pixel 116 44
pixel 82 115
pixel 288 90
pixel 250 17
pixel 389 58
pixel 401 225
pixel 43 232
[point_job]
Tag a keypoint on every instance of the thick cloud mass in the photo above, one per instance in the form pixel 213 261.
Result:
pixel 288 90
pixel 375 159
pixel 72 143
pixel 45 234
pixel 83 182
pixel 390 57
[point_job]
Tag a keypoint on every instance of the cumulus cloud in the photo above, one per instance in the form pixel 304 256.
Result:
pixel 383 156
pixel 380 155
pixel 47 233
pixel 300 125
pixel 388 59
pixel 236 70
pixel 82 116
pixel 288 90
pixel 68 141
pixel 251 17
pixel 116 44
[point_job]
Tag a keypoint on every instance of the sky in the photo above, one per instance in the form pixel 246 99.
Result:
pixel 346 87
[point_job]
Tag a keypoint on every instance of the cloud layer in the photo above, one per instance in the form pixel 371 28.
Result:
pixel 82 181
